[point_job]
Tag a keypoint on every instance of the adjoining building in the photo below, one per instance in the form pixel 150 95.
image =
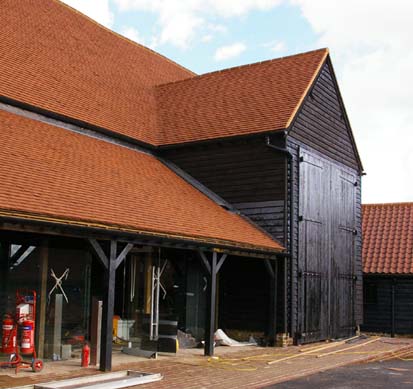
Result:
pixel 388 268
pixel 225 200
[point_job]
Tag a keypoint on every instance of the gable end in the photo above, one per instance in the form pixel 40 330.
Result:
pixel 322 124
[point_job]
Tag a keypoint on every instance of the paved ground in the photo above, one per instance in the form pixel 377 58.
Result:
pixel 389 374
pixel 245 367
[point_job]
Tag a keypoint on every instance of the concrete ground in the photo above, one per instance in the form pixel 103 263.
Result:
pixel 235 367
pixel 395 373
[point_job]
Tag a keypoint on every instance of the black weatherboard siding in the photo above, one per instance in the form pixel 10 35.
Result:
pixel 247 174
pixel 309 199
pixel 379 304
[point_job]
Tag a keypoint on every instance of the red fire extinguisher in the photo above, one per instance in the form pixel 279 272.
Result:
pixel 85 360
pixel 27 337
pixel 9 335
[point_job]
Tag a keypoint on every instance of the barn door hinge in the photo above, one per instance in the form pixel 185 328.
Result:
pixel 300 218
pixel 356 184
pixel 301 159
pixel 355 232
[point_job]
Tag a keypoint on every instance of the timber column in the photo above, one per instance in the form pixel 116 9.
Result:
pixel 107 314
pixel 4 275
pixel 42 298
pixel 212 267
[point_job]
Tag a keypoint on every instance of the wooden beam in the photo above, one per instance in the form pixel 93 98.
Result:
pixel 99 251
pixel 108 307
pixel 123 254
pixel 205 261
pixel 21 250
pixel 211 305
pixel 148 283
pixel 268 266
pixel 348 348
pixel 4 272
pixel 221 261
pixel 41 322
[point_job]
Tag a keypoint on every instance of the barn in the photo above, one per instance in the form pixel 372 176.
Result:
pixel 179 201
pixel 388 268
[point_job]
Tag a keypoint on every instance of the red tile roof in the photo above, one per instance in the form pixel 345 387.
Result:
pixel 57 59
pixel 50 172
pixel 54 58
pixel 244 100
pixel 388 238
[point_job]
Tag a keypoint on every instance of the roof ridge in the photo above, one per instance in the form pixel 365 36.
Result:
pixel 386 204
pixel 198 76
pixel 118 35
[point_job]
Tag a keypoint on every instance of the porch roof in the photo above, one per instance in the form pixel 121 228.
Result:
pixel 50 173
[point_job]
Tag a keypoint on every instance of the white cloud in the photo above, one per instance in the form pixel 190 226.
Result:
pixel 207 38
pixel 275 46
pixel 180 21
pixel 98 10
pixel 227 52
pixel 133 34
pixel 371 48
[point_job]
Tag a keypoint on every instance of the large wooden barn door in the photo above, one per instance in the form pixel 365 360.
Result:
pixel 327 249
pixel 343 231
pixel 313 232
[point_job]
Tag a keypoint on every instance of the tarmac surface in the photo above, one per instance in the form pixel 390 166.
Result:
pixel 388 374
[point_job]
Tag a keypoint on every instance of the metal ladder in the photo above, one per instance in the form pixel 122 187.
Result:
pixel 157 272
pixel 156 283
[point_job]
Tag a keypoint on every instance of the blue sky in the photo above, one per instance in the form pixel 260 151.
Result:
pixel 264 33
pixel 369 41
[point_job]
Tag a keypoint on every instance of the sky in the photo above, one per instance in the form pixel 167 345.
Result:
pixel 370 44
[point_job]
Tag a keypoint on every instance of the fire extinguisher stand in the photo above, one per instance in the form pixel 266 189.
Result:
pixel 18 334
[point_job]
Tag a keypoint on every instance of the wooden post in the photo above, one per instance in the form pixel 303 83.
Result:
pixel 95 332
pixel 272 322
pixel 110 264
pixel 148 284
pixel 57 325
pixel 108 307
pixel 4 273
pixel 211 304
pixel 285 296
pixel 41 322
pixel 393 308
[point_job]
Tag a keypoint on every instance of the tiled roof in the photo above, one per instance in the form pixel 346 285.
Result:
pixel 388 238
pixel 245 100
pixel 57 59
pixel 50 172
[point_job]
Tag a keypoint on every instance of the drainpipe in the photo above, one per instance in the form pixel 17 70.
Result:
pixel 393 324
pixel 288 182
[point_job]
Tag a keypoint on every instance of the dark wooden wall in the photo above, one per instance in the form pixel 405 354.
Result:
pixel 321 128
pixel 378 304
pixel 321 123
pixel 244 295
pixel 251 176
pixel 247 174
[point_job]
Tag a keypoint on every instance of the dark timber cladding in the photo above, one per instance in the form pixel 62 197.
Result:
pixel 388 304
pixel 246 173
pixel 250 176
pixel 315 210
pixel 322 123
pixel 326 268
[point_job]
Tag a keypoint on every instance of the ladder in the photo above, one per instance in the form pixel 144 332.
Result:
pixel 154 324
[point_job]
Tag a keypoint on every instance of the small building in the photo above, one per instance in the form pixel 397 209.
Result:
pixel 388 268
pixel 225 200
